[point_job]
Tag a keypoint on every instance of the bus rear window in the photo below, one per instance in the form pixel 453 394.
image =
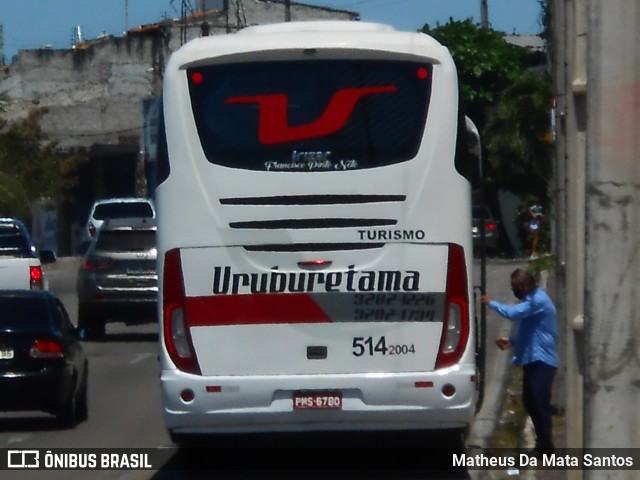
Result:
pixel 310 115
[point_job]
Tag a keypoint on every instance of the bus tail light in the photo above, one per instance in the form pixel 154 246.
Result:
pixel 177 338
pixel 455 329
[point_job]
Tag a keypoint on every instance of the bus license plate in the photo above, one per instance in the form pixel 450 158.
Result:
pixel 317 400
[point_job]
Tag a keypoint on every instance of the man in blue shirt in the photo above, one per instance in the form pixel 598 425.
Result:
pixel 535 339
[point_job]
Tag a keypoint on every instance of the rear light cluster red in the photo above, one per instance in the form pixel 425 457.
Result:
pixel 95 263
pixel 455 330
pixel 177 337
pixel 36 278
pixel 46 349
pixel 92 229
pixel 490 226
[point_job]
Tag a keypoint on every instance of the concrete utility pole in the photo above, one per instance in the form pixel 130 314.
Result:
pixel 1 45
pixel 598 196
pixel 484 14
pixel 570 92
pixel 287 10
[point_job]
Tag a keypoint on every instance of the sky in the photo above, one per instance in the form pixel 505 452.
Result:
pixel 29 24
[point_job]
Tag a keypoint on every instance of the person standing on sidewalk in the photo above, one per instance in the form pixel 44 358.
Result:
pixel 535 218
pixel 535 339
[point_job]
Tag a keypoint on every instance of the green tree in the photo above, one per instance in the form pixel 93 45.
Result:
pixel 509 102
pixel 14 201
pixel 486 63
pixel 30 167
pixel 516 134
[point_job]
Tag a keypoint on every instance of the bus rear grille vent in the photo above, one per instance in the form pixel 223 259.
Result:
pixel 313 223
pixel 313 247
pixel 313 200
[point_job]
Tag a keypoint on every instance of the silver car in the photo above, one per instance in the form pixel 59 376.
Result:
pixel 118 207
pixel 117 281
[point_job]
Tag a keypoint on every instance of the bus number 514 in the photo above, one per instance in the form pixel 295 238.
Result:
pixel 362 346
pixel 371 346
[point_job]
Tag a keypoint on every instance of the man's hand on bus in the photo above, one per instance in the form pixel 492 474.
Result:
pixel 503 343
pixel 485 299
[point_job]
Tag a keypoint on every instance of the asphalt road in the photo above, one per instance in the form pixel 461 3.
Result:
pixel 125 412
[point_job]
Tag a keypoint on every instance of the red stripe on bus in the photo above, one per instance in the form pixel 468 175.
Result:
pixel 253 309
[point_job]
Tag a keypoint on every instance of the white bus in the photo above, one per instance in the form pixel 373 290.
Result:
pixel 314 233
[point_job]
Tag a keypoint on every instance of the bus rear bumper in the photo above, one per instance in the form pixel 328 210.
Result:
pixel 409 401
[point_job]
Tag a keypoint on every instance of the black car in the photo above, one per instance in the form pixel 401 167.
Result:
pixel 117 281
pixel 491 232
pixel 42 364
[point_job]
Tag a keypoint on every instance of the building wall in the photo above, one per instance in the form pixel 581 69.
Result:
pixel 612 187
pixel 597 87
pixel 94 92
pixel 94 95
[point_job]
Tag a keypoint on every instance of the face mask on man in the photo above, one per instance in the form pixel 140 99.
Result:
pixel 519 294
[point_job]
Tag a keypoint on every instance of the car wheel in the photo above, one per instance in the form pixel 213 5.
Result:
pixel 82 403
pixel 97 330
pixel 90 323
pixel 67 414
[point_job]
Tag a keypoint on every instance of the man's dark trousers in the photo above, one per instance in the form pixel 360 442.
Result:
pixel 536 394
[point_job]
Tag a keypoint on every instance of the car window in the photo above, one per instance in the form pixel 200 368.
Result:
pixel 123 210
pixel 23 314
pixel 65 322
pixel 126 240
pixel 348 114
pixel 13 242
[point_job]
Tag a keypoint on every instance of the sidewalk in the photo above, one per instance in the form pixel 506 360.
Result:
pixel 507 411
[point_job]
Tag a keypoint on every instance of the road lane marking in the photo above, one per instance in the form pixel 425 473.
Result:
pixel 18 438
pixel 140 357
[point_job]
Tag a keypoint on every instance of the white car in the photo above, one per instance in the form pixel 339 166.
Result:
pixel 119 207
pixel 20 260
